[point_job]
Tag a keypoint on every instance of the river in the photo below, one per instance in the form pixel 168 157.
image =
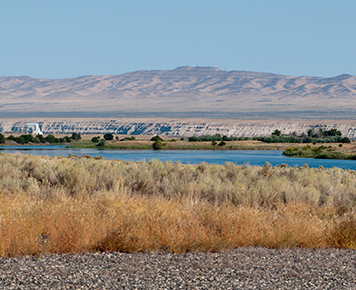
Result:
pixel 241 157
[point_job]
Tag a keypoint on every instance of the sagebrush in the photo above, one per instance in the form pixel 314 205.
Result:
pixel 61 204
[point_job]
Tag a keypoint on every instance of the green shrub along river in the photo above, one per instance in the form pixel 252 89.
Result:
pixel 321 152
pixel 211 142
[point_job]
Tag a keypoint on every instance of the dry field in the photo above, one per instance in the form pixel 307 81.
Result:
pixel 62 205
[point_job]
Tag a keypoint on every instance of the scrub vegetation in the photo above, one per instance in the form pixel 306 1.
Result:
pixel 83 204
pixel 277 141
pixel 311 136
pixel 321 152
pixel 31 139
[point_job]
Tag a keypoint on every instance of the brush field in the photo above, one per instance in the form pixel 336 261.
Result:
pixel 185 145
pixel 72 204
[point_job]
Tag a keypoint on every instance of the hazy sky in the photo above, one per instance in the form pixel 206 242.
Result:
pixel 69 38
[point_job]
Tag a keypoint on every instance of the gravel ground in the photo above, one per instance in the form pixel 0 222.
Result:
pixel 244 268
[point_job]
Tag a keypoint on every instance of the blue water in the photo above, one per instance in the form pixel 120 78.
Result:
pixel 251 157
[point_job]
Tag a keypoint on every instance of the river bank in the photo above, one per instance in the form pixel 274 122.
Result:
pixel 321 152
pixel 185 145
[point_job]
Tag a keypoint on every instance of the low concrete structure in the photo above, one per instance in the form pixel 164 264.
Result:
pixel 33 128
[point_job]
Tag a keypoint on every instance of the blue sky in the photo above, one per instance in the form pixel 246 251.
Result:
pixel 70 38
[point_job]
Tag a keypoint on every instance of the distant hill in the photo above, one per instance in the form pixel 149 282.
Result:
pixel 202 92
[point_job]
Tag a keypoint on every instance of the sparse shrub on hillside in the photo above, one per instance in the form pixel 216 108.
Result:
pixel 276 133
pixel 312 136
pixel 51 139
pixel 108 136
pixel 76 136
pixel 216 137
pixel 95 139
pixel 156 138
pixel 67 139
pixel 23 139
pixel 27 138
pixel 192 139
pixel 41 138
pixel 20 140
pixel 157 145
pixel 132 138
pixel 101 143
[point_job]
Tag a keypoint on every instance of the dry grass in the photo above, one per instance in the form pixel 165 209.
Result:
pixel 60 205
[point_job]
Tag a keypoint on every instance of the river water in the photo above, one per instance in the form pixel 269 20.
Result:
pixel 241 157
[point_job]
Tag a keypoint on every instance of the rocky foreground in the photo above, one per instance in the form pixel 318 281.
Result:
pixel 244 268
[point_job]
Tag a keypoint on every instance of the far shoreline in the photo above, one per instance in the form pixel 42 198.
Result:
pixel 344 152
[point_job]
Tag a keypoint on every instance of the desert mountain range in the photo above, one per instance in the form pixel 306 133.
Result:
pixel 182 92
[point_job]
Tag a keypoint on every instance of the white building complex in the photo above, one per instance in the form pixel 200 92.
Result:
pixel 33 128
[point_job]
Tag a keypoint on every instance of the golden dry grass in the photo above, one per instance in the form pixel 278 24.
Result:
pixel 61 205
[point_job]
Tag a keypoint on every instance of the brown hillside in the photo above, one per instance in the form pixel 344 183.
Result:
pixel 183 92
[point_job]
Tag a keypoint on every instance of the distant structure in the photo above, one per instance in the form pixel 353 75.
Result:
pixel 33 128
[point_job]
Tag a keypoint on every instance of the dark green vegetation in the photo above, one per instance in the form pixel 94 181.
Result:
pixel 76 136
pixel 119 145
pixel 108 136
pixel 101 143
pixel 28 138
pixel 256 143
pixel 158 145
pixel 312 136
pixel 95 139
pixel 156 138
pixel 216 137
pixel 158 142
pixel 321 152
pixel 39 139
pixel 132 138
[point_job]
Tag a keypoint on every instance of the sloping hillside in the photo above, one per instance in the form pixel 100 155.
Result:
pixel 177 127
pixel 193 91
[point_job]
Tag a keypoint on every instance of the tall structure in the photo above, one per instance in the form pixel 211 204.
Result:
pixel 33 128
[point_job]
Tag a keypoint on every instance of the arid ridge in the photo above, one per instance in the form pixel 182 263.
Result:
pixel 184 92
pixel 177 127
